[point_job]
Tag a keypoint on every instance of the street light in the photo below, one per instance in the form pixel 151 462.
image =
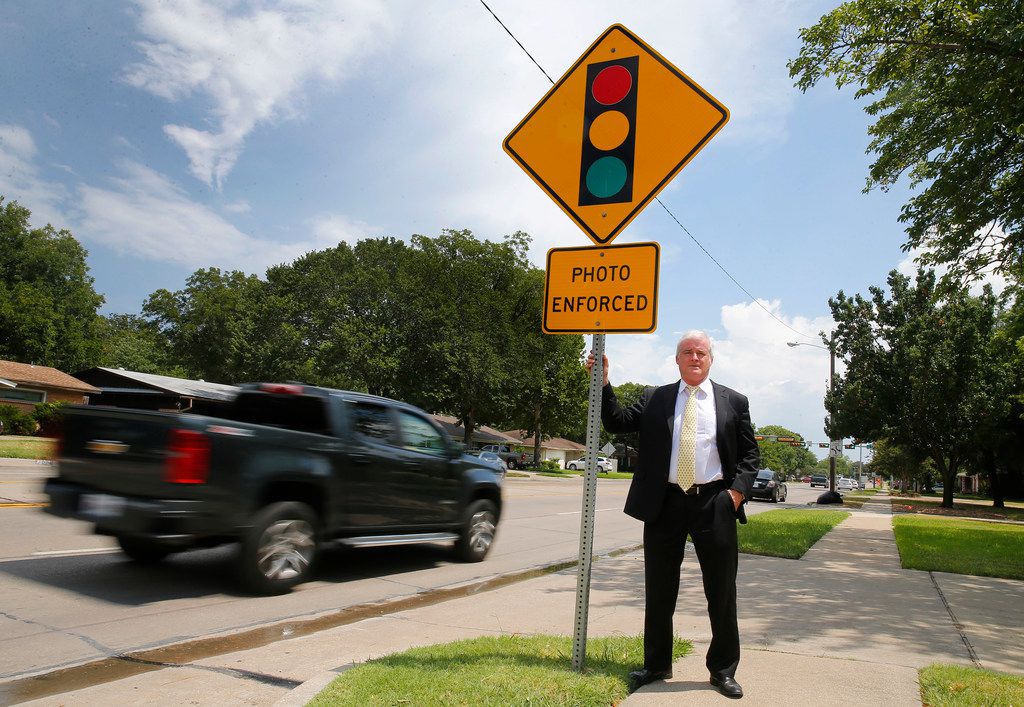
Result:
pixel 831 348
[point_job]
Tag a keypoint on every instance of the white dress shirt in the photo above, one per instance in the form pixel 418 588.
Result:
pixel 709 465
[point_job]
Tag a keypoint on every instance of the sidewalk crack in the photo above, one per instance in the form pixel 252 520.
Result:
pixel 956 622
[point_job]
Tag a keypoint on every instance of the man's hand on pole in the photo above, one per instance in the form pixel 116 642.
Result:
pixel 604 364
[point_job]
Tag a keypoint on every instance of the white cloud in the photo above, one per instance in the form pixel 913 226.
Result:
pixel 908 266
pixel 251 66
pixel 785 385
pixel 736 50
pixel 21 181
pixel 241 206
pixel 148 216
pixel 17 142
pixel 331 229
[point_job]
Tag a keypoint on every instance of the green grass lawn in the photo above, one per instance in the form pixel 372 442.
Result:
pixel 17 447
pixel 788 532
pixel 943 685
pixel 495 670
pixel 960 546
pixel 1012 511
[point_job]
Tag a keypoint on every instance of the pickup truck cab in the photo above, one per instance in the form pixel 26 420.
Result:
pixel 288 468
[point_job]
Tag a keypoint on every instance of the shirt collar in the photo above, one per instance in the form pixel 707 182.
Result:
pixel 705 386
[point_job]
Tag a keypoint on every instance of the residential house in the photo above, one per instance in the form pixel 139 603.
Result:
pixel 148 391
pixel 482 434
pixel 24 385
pixel 553 448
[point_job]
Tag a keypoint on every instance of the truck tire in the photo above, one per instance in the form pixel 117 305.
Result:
pixel 143 550
pixel 278 550
pixel 477 534
pixel 512 464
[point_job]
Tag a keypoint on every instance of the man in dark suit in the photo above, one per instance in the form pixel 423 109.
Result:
pixel 698 460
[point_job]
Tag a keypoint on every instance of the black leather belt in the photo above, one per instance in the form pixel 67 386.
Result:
pixel 698 489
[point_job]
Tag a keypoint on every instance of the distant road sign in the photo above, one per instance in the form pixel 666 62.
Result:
pixel 602 289
pixel 608 448
pixel 613 131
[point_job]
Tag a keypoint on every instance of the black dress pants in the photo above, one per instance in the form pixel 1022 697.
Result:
pixel 710 520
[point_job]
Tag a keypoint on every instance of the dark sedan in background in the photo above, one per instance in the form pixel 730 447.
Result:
pixel 769 486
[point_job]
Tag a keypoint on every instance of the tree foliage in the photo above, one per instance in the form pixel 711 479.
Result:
pixel 549 395
pixel 921 371
pixel 135 344
pixel 48 307
pixel 946 79
pixel 450 323
pixel 782 456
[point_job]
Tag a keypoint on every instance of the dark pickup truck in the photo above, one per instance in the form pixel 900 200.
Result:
pixel 287 468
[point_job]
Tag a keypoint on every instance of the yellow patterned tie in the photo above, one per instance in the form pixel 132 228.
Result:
pixel 686 461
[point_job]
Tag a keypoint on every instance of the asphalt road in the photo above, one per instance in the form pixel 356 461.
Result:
pixel 70 597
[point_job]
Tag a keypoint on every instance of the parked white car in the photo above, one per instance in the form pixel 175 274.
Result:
pixel 603 464
pixel 845 484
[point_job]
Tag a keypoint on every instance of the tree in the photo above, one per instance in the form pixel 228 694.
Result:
pixel 208 323
pixel 48 307
pixel 917 372
pixel 900 463
pixel 842 465
pixel 460 310
pixel 135 344
pixel 370 328
pixel 945 78
pixel 549 390
pixel 782 456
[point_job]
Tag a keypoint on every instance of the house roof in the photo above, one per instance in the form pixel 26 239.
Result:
pixel 178 386
pixel 565 445
pixel 481 432
pixel 41 376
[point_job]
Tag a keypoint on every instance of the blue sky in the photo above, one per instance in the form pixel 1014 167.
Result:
pixel 170 136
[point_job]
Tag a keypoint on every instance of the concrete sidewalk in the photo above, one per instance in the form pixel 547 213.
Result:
pixel 844 625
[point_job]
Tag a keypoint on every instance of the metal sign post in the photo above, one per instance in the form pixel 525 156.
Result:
pixel 579 639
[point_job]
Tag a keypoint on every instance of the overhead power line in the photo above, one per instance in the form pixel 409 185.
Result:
pixel 721 267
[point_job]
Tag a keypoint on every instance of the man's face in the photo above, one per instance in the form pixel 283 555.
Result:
pixel 694 360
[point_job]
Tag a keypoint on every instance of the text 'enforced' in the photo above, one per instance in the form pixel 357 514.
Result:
pixel 601 289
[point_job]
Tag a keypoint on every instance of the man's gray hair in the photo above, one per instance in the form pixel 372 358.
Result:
pixel 696 334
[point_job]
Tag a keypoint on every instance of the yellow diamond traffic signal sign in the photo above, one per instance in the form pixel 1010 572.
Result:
pixel 613 131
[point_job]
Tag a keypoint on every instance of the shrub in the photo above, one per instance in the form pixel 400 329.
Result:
pixel 48 416
pixel 16 422
pixel 550 465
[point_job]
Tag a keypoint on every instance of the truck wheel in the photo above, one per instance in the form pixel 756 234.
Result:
pixel 278 550
pixel 511 463
pixel 477 532
pixel 143 550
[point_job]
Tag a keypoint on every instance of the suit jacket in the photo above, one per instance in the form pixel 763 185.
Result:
pixel 653 417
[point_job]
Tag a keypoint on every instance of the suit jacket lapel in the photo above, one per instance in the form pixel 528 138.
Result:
pixel 721 411
pixel 670 407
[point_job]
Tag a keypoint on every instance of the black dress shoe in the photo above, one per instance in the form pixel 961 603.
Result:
pixel 727 686
pixel 639 678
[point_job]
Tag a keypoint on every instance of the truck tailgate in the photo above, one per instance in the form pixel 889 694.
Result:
pixel 122 451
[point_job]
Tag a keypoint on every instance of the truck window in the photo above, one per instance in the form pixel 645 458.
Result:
pixel 373 421
pixel 420 435
pixel 303 413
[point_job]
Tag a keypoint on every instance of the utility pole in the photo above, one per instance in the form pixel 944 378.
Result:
pixel 832 392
